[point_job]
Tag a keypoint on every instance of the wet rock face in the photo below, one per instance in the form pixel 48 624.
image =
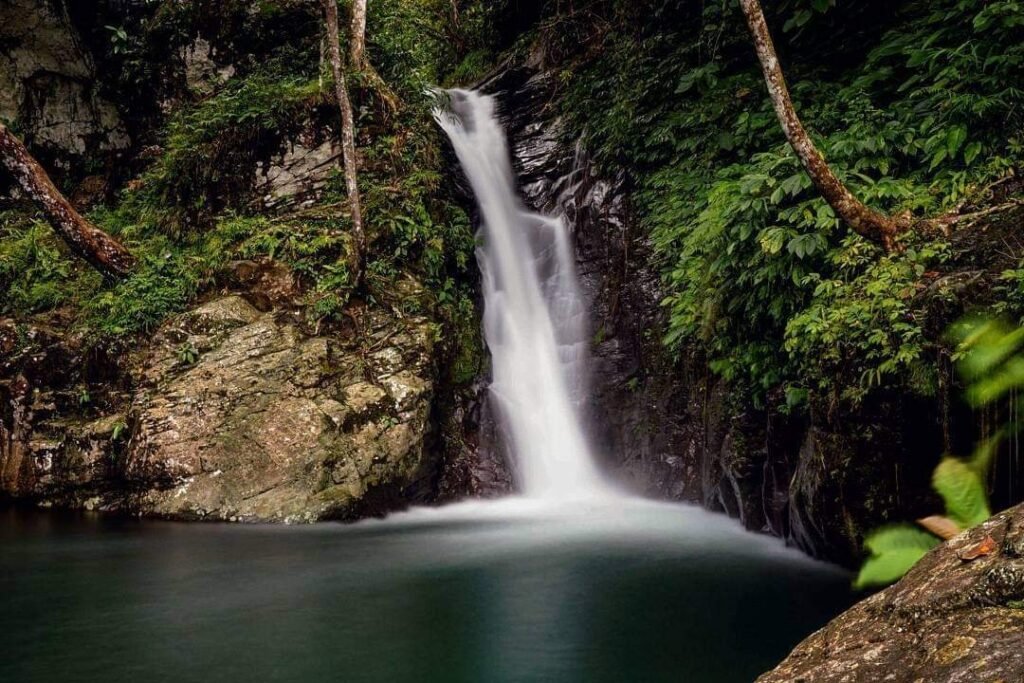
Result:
pixel 59 443
pixel 48 83
pixel 947 620
pixel 242 416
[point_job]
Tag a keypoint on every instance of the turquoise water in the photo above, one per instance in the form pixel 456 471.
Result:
pixel 495 593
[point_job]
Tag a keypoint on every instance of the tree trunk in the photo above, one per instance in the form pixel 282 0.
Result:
pixel 359 61
pixel 357 46
pixel 101 250
pixel 861 219
pixel 348 142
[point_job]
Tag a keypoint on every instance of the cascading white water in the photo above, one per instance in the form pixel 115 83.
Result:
pixel 534 318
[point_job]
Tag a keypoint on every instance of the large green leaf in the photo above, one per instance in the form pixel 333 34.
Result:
pixel 894 550
pixel 963 491
pixel 899 537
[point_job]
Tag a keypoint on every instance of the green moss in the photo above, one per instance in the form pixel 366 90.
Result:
pixel 211 151
pixel 469 357
pixel 33 271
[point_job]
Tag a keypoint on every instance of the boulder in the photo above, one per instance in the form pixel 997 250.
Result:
pixel 950 619
pixel 240 415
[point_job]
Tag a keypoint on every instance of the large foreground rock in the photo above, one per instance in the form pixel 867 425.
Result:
pixel 949 620
pixel 242 416
pixel 235 410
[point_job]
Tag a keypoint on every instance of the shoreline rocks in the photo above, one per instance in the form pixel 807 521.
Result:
pixel 948 620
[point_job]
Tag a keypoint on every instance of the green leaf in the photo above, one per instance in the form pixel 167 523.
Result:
pixel 898 537
pixel 986 449
pixel 894 550
pixel 963 492
pixel 972 152
pixel 955 139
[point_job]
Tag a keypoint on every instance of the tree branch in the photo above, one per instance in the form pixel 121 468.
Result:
pixel 102 251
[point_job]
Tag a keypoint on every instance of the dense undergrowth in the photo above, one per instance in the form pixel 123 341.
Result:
pixel 918 107
pixel 191 206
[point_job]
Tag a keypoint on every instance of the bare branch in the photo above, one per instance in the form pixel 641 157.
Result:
pixel 348 141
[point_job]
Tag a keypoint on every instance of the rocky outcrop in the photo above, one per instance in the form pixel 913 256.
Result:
pixel 234 410
pixel 949 620
pixel 48 84
pixel 246 417
pixel 300 172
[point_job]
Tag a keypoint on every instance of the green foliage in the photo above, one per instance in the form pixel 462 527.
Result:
pixel 861 323
pixel 1010 290
pixel 187 354
pixel 989 357
pixel 211 150
pixel 418 44
pixel 893 551
pixel 119 431
pixel 760 274
pixel 33 271
pixel 963 492
pixel 472 68
pixel 190 212
pixel 163 283
pixel 466 344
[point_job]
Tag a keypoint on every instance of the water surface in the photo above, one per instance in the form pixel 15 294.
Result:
pixel 514 591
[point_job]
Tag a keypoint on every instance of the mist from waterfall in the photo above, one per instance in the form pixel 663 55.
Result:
pixel 534 316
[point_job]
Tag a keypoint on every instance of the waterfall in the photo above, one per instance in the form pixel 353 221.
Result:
pixel 534 317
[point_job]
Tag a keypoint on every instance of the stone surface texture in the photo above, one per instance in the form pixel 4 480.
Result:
pixel 48 83
pixel 947 621
pixel 234 410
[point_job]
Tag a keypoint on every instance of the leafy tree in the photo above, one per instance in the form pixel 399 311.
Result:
pixel 863 220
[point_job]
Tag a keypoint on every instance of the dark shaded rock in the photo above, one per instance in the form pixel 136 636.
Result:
pixel 947 620
pixel 48 84
pixel 476 467
pixel 266 283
